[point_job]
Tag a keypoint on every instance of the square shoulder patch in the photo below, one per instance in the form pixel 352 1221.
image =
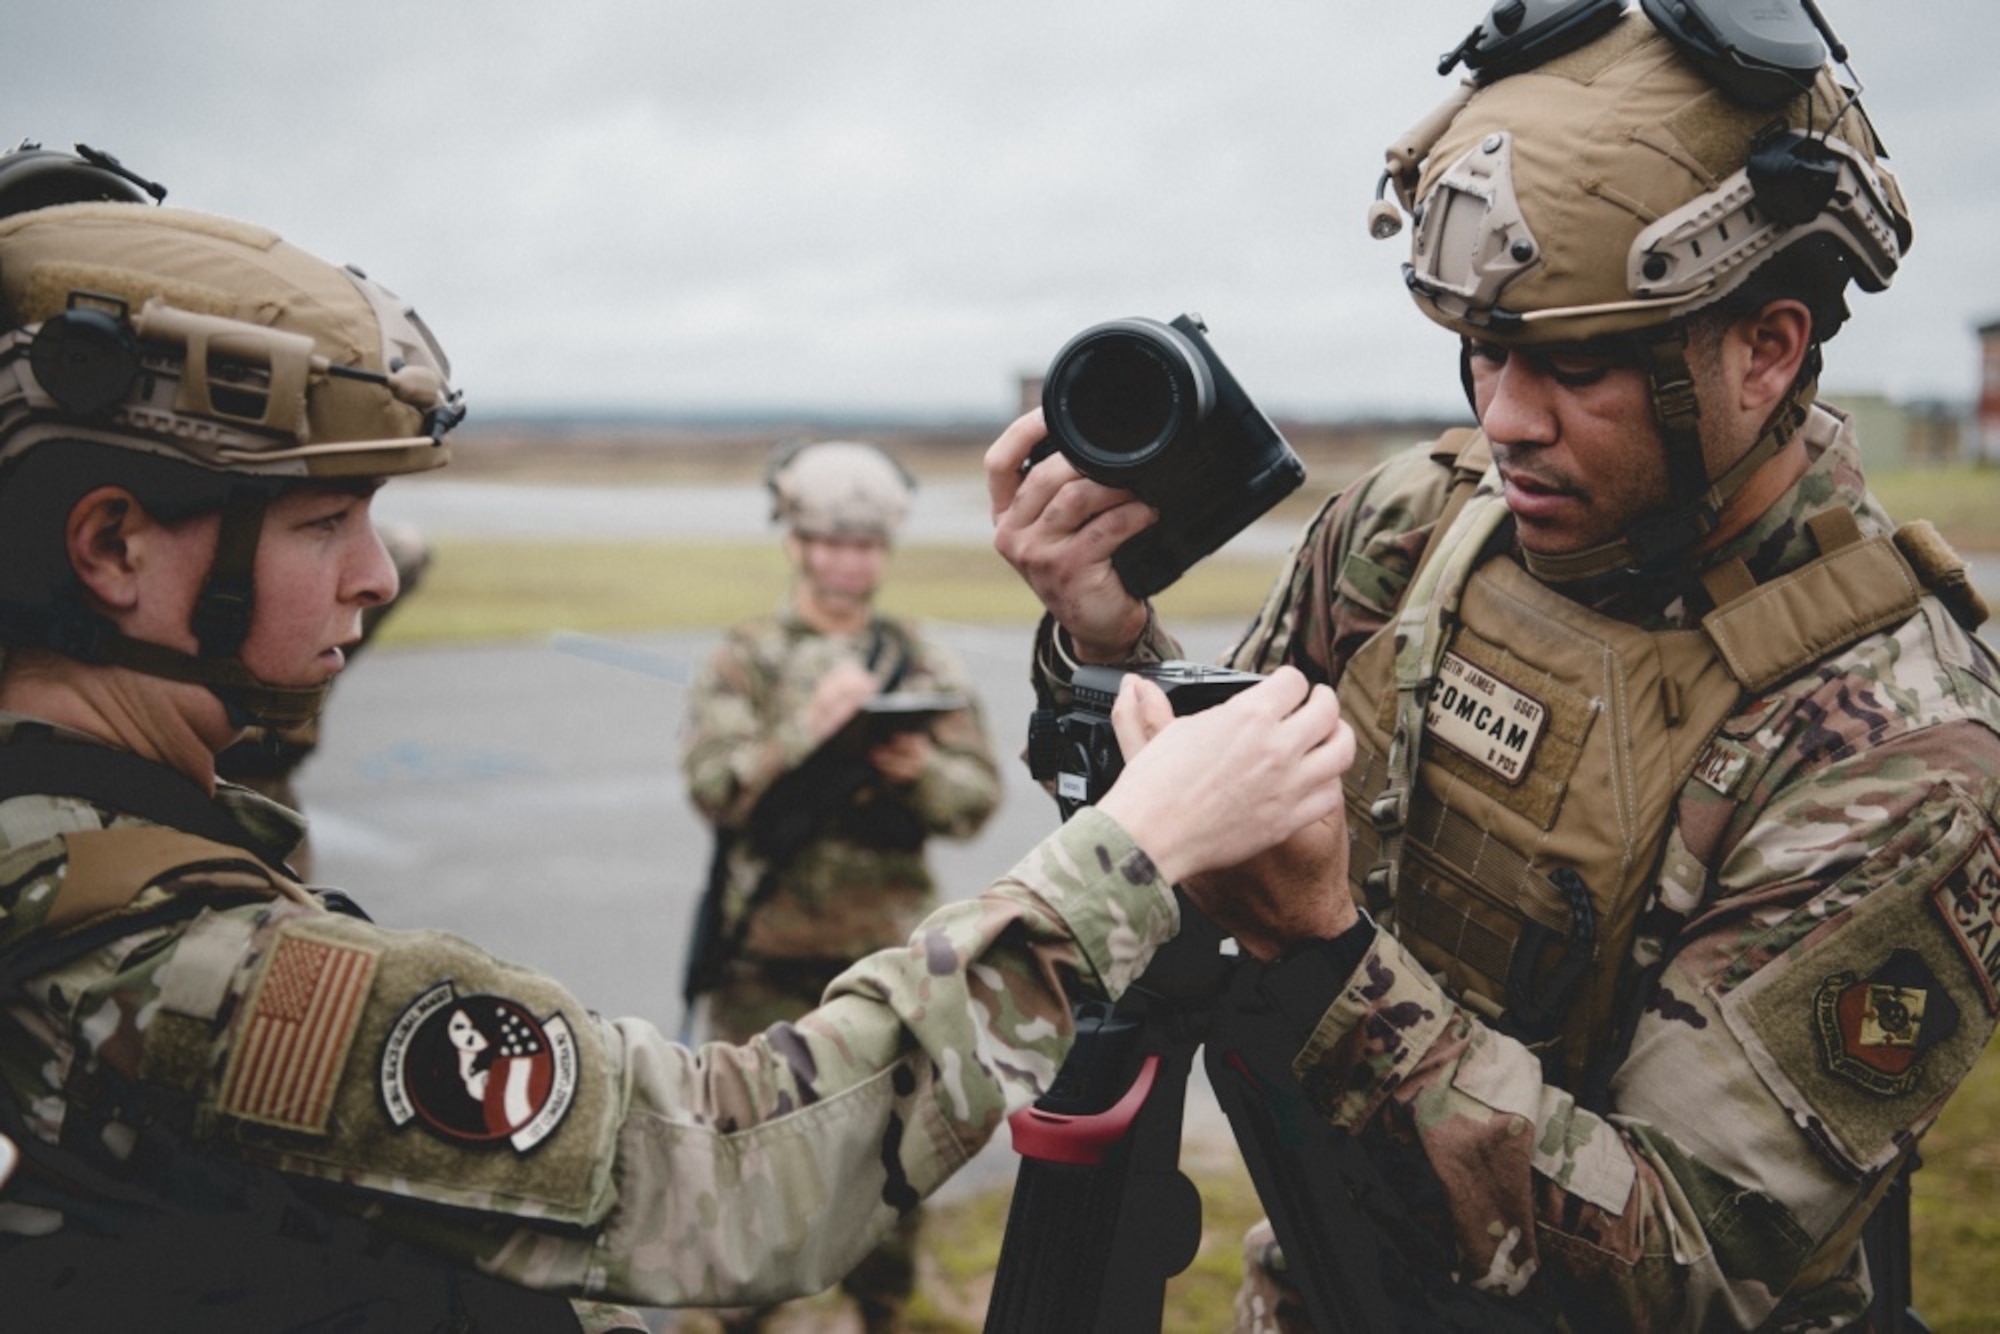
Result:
pixel 466 1081
pixel 1870 1021
pixel 295 1032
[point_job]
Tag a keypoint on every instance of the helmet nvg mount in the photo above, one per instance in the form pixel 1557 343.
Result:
pixel 1606 172
pixel 213 353
pixel 838 488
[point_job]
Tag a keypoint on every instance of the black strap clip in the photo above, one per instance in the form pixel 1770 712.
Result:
pixel 1535 1014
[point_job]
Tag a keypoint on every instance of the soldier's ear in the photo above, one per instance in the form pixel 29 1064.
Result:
pixel 96 538
pixel 114 545
pixel 1776 341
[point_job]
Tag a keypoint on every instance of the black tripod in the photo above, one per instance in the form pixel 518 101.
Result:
pixel 1102 1216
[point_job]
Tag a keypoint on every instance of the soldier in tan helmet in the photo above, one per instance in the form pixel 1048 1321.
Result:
pixel 822 809
pixel 1668 920
pixel 241 1104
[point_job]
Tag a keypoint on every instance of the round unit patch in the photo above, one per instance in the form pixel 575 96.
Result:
pixel 478 1069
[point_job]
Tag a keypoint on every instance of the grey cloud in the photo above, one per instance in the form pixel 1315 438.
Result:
pixel 693 203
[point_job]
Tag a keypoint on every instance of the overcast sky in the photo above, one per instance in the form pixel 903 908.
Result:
pixel 898 204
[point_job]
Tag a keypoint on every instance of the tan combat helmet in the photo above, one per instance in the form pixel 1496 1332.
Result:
pixel 206 364
pixel 1616 171
pixel 838 488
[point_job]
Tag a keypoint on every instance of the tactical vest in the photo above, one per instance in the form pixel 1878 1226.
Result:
pixel 1519 757
pixel 169 1231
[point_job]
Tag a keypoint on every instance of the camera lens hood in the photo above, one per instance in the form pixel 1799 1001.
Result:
pixel 1121 393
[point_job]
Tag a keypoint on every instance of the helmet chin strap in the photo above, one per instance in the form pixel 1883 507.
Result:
pixel 79 634
pixel 220 622
pixel 248 700
pixel 1659 540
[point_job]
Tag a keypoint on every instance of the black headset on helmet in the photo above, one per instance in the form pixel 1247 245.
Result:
pixel 1759 56
pixel 34 177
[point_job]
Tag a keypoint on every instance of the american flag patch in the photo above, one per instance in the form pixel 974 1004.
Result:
pixel 295 1034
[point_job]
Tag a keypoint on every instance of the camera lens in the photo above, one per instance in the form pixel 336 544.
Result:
pixel 1121 398
pixel 1120 393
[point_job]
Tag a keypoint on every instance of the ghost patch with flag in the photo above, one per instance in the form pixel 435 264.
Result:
pixel 478 1069
pixel 1874 1031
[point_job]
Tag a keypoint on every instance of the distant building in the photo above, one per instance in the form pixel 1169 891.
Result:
pixel 1986 431
pixel 1030 392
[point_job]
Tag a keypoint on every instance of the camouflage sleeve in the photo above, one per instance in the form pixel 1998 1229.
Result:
pixel 1347 569
pixel 1830 983
pixel 481 1110
pixel 731 750
pixel 1053 664
pixel 960 786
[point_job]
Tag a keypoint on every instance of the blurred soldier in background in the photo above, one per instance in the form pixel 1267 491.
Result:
pixel 822 811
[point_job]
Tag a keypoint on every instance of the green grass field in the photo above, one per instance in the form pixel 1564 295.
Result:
pixel 479 590
pixel 515 590
pixel 500 590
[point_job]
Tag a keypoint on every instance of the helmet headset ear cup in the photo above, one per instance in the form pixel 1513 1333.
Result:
pixel 33 177
pixel 1521 34
pixel 1764 62
pixel 86 359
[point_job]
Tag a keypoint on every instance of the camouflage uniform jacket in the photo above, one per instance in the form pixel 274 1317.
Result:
pixel 860 881
pixel 1851 860
pixel 479 1111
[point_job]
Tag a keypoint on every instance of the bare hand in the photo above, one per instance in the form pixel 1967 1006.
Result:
pixel 901 759
pixel 1294 892
pixel 838 696
pixel 1218 787
pixel 1057 528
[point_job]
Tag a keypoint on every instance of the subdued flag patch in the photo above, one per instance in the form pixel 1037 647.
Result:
pixel 295 1033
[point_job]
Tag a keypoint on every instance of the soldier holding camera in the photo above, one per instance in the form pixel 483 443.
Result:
pixel 1674 866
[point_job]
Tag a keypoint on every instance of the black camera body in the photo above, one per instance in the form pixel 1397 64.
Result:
pixel 1078 748
pixel 1149 407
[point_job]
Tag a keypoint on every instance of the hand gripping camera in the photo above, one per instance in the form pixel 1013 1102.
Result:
pixel 1078 748
pixel 1149 407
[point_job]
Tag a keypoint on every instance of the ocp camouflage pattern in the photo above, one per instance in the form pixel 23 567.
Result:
pixel 640 1171
pixel 1815 965
pixel 844 893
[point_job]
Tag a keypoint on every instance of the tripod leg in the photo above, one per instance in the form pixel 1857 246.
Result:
pixel 1292 1159
pixel 1101 1216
